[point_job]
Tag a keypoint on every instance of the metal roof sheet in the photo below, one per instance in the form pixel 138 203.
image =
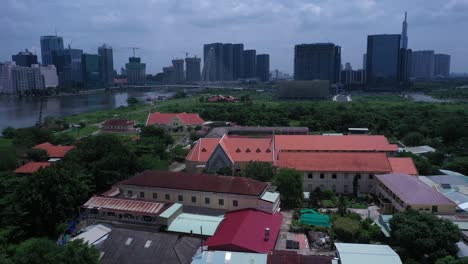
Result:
pixel 171 210
pixel 93 234
pixel 270 196
pixel 365 253
pixel 229 257
pixel 124 205
pixel 191 223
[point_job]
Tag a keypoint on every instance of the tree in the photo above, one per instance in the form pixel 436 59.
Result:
pixel 106 159
pixel 63 139
pixel 29 137
pixel 157 133
pixel 9 133
pixel 261 171
pixel 38 155
pixel 131 101
pixel 289 182
pixel 76 252
pixel 180 94
pixel 423 166
pixel 451 260
pixel 422 234
pixel 413 139
pixel 346 229
pixel 50 197
pixel 355 186
pixel 459 165
pixel 342 206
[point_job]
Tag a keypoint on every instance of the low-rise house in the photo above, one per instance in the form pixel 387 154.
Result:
pixel 398 192
pixel 201 190
pixel 292 257
pixel 119 125
pixel 246 231
pixel 31 167
pixel 212 257
pixel 349 253
pixel 454 187
pixel 174 120
pixel 219 132
pixel 54 151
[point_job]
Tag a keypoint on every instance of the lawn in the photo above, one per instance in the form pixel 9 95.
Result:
pixel 82 132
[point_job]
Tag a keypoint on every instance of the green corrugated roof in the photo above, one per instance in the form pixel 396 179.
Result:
pixel 312 217
pixel 171 210
pixel 184 223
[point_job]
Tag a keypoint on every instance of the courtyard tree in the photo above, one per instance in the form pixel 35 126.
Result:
pixel 289 182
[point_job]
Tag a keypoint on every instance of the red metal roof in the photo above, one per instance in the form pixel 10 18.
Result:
pixel 197 182
pixel 124 205
pixel 32 167
pixel 54 151
pixel 292 257
pixel 118 122
pixel 335 161
pixel 403 165
pixel 244 231
pixel 413 191
pixel 334 143
pixel 165 118
pixel 202 151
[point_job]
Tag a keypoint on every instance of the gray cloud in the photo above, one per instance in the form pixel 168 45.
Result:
pixel 166 29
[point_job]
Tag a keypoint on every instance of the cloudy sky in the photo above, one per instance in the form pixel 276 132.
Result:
pixel 166 29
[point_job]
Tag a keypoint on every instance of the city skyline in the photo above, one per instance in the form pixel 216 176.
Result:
pixel 165 30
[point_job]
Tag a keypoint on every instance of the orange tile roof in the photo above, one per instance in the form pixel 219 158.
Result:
pixel 32 167
pixel 335 161
pixel 403 165
pixel 202 151
pixel 165 118
pixel 334 143
pixel 54 151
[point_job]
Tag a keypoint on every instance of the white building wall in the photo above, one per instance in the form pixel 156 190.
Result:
pixel 6 85
pixel 49 74
pixel 338 182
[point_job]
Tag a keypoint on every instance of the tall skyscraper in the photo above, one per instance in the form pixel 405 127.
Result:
pixel 168 74
pixel 69 67
pixel 442 65
pixel 263 67
pixel 6 83
pixel 49 44
pixel 321 61
pixel 136 71
pixel 91 73
pixel 237 61
pixel 383 60
pixel 106 65
pixel 25 58
pixel 213 62
pixel 250 64
pixel 192 69
pixel 364 61
pixel 227 59
pixel 179 75
pixel 348 67
pixel 423 64
pixel 404 34
pixel 25 79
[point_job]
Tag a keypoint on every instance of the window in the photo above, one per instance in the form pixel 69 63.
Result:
pixel 371 176
pixel 435 209
pixel 221 201
pixel 334 176
pixel 155 195
pixel 110 214
pixel 235 203
pixel 129 193
pixel 310 176
pixel 346 189
pixel 180 198
pixel 207 200
pixel 322 176
pixel 194 199
pixel 167 196
pixel 94 211
pixel 142 194
pixel 358 176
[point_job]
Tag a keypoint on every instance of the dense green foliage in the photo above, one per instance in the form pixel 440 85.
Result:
pixel 38 155
pixel 420 234
pixel 7 154
pixel 289 184
pixel 351 229
pixel 261 171
pixel 451 260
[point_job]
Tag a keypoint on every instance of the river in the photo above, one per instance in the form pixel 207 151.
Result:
pixel 24 112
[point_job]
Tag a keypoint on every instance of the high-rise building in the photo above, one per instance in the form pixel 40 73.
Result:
pixel 26 79
pixel 136 71
pixel 179 75
pixel 213 62
pixel 69 67
pixel 364 61
pixel 404 34
pixel 321 61
pixel 192 69
pixel 348 67
pixel 423 64
pixel 250 64
pixel 106 65
pixel 25 58
pixel 263 67
pixel 406 60
pixel 49 44
pixel 169 74
pixel 6 85
pixel 237 61
pixel 49 75
pixel 383 60
pixel 441 65
pixel 91 74
pixel 227 59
